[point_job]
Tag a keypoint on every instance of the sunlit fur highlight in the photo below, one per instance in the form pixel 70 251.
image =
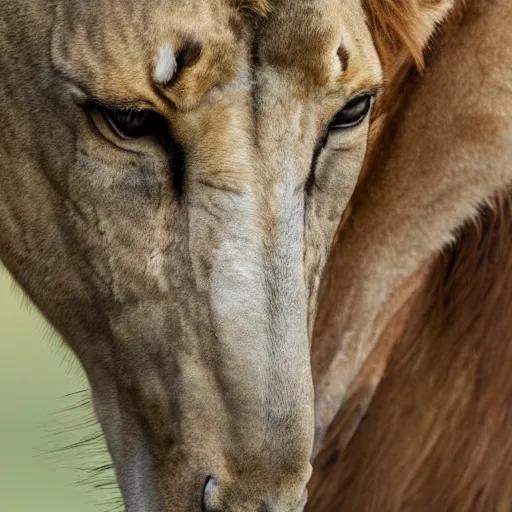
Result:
pixel 436 435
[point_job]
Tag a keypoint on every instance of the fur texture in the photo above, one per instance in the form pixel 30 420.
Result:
pixel 416 195
pixel 259 7
pixel 400 25
pixel 182 266
pixel 435 435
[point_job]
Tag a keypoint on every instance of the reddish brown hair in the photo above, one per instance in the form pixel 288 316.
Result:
pixel 437 433
pixel 400 25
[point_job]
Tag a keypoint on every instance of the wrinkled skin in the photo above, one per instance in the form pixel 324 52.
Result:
pixel 184 275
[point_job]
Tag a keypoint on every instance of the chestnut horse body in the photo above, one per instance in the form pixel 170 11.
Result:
pixel 415 320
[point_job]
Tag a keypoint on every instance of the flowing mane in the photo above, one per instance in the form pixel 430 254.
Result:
pixel 404 26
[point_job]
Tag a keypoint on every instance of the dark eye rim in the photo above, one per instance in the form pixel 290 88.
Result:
pixel 108 116
pixel 338 124
pixel 151 124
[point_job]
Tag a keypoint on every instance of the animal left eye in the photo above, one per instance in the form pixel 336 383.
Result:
pixel 133 124
pixel 353 113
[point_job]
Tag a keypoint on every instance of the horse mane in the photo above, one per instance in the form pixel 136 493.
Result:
pixel 407 36
pixel 404 26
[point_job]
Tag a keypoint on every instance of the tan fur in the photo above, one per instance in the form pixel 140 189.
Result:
pixel 260 7
pixel 191 308
pixel 183 268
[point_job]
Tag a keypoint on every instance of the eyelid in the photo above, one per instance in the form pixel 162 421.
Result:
pixel 102 128
pixel 131 124
pixel 372 91
pixel 112 125
pixel 364 93
pixel 137 105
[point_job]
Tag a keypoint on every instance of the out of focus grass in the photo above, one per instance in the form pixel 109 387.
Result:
pixel 37 382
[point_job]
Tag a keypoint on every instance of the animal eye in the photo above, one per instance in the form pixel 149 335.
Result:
pixel 133 124
pixel 353 113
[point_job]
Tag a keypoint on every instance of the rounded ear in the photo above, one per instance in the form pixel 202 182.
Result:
pixel 405 25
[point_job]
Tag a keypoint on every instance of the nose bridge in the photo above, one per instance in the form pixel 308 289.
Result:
pixel 284 256
pixel 259 311
pixel 285 129
pixel 258 290
pixel 287 319
pixel 286 132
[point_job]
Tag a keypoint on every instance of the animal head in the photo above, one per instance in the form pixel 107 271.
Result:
pixel 172 176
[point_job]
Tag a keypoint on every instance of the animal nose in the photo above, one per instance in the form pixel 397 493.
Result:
pixel 209 488
pixel 210 500
pixel 210 495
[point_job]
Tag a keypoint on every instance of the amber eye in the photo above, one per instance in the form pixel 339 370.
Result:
pixel 133 124
pixel 353 113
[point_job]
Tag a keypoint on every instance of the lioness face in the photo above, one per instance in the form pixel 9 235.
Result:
pixel 191 164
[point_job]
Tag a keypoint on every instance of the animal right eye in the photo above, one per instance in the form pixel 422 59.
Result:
pixel 353 113
pixel 133 124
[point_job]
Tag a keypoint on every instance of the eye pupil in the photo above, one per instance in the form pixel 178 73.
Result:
pixel 353 113
pixel 131 123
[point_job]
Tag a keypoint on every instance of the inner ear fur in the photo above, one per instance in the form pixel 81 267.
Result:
pixel 405 26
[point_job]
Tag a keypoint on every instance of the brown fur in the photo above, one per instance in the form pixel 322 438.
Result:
pixel 400 25
pixel 437 434
pixel 417 194
pixel 192 308
pixel 183 267
pixel 406 35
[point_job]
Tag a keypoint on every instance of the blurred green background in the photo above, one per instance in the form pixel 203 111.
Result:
pixel 49 444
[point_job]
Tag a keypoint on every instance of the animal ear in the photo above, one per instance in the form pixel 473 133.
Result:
pixel 405 25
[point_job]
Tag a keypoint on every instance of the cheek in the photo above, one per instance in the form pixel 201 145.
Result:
pixel 338 171
pixel 337 174
pixel 125 221
pixel 124 196
pixel 115 170
pixel 114 174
